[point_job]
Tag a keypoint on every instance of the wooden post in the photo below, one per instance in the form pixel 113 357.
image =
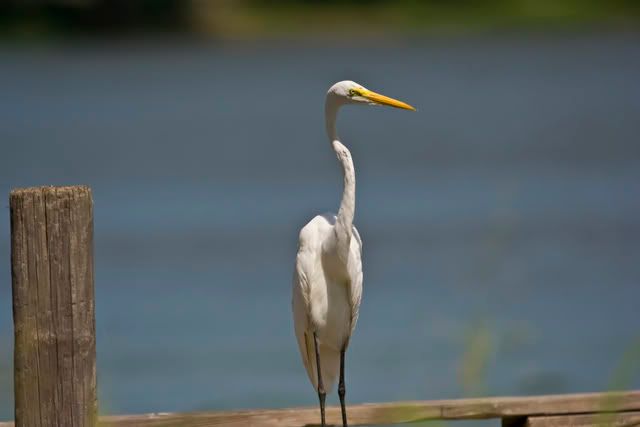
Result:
pixel 53 307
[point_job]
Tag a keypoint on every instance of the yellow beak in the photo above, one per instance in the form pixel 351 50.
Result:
pixel 384 100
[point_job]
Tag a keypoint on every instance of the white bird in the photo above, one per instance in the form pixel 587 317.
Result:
pixel 327 281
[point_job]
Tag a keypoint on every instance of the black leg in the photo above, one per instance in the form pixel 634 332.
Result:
pixel 321 393
pixel 341 390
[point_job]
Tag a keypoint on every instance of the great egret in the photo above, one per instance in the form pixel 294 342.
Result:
pixel 327 281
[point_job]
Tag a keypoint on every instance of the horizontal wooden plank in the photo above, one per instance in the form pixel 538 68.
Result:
pixel 499 407
pixel 392 413
pixel 620 419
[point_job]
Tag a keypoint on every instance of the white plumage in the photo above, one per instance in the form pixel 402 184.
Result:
pixel 327 281
pixel 325 299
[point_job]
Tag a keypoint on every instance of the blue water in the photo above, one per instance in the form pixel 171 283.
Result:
pixel 501 222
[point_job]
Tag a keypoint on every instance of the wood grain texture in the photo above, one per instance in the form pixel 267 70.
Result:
pixel 620 419
pixel 53 306
pixel 394 413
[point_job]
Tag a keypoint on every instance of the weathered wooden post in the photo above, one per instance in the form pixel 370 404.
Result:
pixel 53 306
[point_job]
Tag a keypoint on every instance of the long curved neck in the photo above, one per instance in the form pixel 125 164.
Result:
pixel 344 221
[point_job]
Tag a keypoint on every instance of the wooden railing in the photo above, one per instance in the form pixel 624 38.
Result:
pixel 588 409
pixel 55 360
pixel 592 409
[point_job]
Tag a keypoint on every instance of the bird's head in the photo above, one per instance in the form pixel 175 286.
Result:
pixel 348 92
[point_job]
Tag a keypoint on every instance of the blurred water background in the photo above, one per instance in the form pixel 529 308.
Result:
pixel 501 222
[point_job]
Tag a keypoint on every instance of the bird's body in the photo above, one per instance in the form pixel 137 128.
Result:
pixel 327 280
pixel 332 297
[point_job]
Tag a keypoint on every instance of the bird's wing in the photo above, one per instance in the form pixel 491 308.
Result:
pixel 329 352
pixel 300 305
pixel 355 278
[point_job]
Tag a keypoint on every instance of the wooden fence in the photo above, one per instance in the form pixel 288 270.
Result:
pixel 55 345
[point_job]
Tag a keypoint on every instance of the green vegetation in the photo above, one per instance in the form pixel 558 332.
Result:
pixel 311 18
pixel 375 17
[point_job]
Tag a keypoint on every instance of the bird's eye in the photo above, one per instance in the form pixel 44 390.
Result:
pixel 352 93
